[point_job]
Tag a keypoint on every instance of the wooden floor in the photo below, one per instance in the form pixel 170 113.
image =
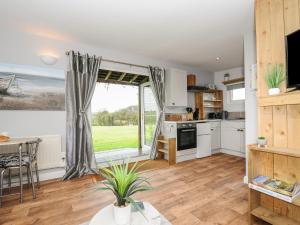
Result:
pixel 198 192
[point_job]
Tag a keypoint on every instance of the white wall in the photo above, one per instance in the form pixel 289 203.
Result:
pixel 219 78
pixel 24 49
pixel 250 102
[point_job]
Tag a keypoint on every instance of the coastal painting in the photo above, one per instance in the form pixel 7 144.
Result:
pixel 31 88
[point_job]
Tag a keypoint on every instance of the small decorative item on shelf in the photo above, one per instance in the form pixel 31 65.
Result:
pixel 124 182
pixel 226 76
pixel 274 78
pixel 261 142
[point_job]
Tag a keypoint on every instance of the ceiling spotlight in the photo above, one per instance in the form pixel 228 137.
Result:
pixel 218 58
pixel 48 59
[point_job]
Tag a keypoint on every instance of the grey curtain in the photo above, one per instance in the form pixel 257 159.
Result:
pixel 80 85
pixel 157 80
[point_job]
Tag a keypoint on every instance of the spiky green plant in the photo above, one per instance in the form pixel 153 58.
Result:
pixel 275 76
pixel 124 182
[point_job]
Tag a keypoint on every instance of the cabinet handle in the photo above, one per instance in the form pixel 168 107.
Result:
pixel 173 103
pixel 212 129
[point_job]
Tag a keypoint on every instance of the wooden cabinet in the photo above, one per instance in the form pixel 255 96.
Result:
pixel 233 136
pixel 215 135
pixel 278 163
pixel 176 88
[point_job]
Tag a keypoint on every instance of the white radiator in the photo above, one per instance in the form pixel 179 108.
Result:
pixel 49 153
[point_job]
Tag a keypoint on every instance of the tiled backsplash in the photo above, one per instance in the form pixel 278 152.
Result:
pixel 236 115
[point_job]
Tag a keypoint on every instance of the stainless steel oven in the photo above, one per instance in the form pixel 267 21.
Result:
pixel 186 136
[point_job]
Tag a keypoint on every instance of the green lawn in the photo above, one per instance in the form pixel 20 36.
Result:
pixel 114 137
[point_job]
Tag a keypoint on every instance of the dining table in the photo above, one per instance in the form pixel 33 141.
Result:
pixel 19 143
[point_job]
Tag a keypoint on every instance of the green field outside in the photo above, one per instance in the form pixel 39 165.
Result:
pixel 118 137
pixel 114 137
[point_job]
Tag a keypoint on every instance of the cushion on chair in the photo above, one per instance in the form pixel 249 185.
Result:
pixel 12 160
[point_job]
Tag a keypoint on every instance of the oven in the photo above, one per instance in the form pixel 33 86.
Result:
pixel 186 136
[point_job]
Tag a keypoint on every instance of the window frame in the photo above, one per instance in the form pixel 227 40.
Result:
pixel 234 102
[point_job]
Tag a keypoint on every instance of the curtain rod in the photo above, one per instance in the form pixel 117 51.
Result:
pixel 113 61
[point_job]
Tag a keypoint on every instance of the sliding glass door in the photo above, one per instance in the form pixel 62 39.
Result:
pixel 148 115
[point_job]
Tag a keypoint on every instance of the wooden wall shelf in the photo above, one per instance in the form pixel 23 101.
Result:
pixel 215 100
pixel 281 99
pixel 278 116
pixel 271 217
pixel 278 163
pixel 277 150
pixel 234 81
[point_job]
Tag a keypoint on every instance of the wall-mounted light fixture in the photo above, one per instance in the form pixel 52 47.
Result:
pixel 48 59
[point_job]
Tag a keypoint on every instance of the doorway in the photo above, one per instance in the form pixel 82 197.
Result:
pixel 124 117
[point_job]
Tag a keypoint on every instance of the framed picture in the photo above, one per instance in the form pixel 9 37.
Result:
pixel 31 88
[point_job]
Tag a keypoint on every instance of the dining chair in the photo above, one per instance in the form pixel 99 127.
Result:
pixel 11 161
pixel 1 185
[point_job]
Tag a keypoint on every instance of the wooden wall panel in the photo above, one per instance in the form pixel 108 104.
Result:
pixel 291 15
pixel 277 35
pixel 266 123
pixel 263 43
pixel 267 201
pixel 262 164
pixel 286 168
pixel 293 121
pixel 280 126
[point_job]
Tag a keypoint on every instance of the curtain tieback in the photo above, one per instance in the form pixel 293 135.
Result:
pixel 81 112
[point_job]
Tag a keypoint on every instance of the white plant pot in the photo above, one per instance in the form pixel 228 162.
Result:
pixel 274 91
pixel 261 142
pixel 122 214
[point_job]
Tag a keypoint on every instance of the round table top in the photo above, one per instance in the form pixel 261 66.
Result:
pixel 105 217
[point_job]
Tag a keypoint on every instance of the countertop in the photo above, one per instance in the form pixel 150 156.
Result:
pixel 204 121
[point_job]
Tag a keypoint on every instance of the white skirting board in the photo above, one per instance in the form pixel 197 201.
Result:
pixel 230 152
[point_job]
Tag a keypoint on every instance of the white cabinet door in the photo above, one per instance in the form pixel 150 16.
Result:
pixel 231 138
pixel 215 138
pixel 176 88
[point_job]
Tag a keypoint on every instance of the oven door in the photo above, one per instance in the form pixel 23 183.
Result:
pixel 186 138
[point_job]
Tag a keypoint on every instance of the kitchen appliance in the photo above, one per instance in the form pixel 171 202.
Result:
pixel 292 59
pixel 186 136
pixel 203 140
pixel 196 114
pixel 211 115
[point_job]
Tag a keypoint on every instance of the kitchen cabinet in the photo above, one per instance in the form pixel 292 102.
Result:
pixel 215 135
pixel 176 88
pixel 233 136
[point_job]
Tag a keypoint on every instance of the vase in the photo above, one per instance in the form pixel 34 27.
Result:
pixel 274 91
pixel 122 214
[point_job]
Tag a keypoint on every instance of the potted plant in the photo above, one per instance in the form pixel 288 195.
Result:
pixel 261 141
pixel 274 78
pixel 124 182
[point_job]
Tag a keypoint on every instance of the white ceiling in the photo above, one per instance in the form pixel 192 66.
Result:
pixel 190 32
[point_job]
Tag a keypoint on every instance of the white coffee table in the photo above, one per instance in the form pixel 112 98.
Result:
pixel 105 217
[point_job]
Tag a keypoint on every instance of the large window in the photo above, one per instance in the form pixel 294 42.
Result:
pixel 150 115
pixel 238 94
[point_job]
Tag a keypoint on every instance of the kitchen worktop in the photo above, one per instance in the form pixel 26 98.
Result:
pixel 204 121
